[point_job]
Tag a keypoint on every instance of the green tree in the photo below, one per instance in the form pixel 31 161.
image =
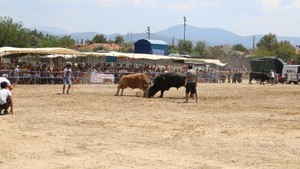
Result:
pixel 119 39
pixel 185 48
pixel 66 42
pixel 201 48
pixel 172 49
pixel 240 48
pixel 297 58
pixel 268 42
pixel 262 53
pixel 216 52
pixel 55 41
pixel 127 47
pixel 285 50
pixel 268 46
pixel 48 41
pixel 35 37
pixel 99 39
pixel 13 34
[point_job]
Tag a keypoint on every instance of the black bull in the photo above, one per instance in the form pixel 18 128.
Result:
pixel 258 77
pixel 165 81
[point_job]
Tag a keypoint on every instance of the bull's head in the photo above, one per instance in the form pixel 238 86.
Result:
pixel 152 91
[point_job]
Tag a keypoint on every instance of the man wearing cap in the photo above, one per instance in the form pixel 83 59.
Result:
pixel 4 78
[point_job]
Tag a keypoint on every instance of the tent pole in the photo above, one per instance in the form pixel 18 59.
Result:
pixel 32 59
pixel 93 61
pixel 117 64
pixel 2 58
pixel 133 65
pixel 35 59
pixel 51 66
pixel 100 61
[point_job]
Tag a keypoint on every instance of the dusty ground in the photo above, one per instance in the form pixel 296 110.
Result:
pixel 233 126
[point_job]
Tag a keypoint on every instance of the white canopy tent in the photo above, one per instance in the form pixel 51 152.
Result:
pixel 12 50
pixel 68 53
pixel 154 57
pixel 66 56
pixel 135 56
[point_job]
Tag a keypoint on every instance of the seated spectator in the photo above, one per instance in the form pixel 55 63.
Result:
pixel 5 99
pixel 4 78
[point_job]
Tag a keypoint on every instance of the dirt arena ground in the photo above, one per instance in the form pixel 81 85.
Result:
pixel 233 126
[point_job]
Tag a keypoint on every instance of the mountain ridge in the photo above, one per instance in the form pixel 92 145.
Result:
pixel 212 36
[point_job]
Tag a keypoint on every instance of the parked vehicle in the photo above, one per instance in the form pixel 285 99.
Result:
pixel 292 71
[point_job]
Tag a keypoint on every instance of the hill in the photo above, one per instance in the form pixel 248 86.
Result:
pixel 212 36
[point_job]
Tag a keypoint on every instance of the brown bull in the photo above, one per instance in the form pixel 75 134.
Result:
pixel 139 80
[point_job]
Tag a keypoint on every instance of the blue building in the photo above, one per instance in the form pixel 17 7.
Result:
pixel 155 47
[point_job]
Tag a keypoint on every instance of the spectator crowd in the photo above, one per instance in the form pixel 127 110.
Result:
pixel 26 73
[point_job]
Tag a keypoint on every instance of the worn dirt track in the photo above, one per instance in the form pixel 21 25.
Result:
pixel 233 126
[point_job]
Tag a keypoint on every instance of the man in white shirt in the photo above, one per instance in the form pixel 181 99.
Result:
pixel 4 78
pixel 5 99
pixel 67 75
pixel 17 74
pixel 272 76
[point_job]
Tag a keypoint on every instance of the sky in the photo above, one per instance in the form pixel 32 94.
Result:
pixel 242 17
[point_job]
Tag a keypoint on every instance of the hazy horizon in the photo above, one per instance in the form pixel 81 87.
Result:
pixel 244 18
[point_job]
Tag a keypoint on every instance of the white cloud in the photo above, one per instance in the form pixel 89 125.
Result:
pixel 268 20
pixel 271 5
pixel 294 5
pixel 175 5
pixel 137 2
pixel 107 3
pixel 209 4
pixel 180 7
pixel 189 5
pixel 63 1
pixel 110 3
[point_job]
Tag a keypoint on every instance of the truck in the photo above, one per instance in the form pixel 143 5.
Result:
pixel 266 64
pixel 292 72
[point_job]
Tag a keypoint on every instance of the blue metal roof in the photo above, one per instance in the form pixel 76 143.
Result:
pixel 157 42
pixel 147 46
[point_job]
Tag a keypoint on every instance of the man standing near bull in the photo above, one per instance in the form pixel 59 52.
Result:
pixel 190 84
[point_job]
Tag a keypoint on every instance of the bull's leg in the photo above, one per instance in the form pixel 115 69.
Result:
pixel 122 92
pixel 117 94
pixel 162 93
pixel 250 81
pixel 146 92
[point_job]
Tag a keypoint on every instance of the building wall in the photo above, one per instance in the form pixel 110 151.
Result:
pixel 239 64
